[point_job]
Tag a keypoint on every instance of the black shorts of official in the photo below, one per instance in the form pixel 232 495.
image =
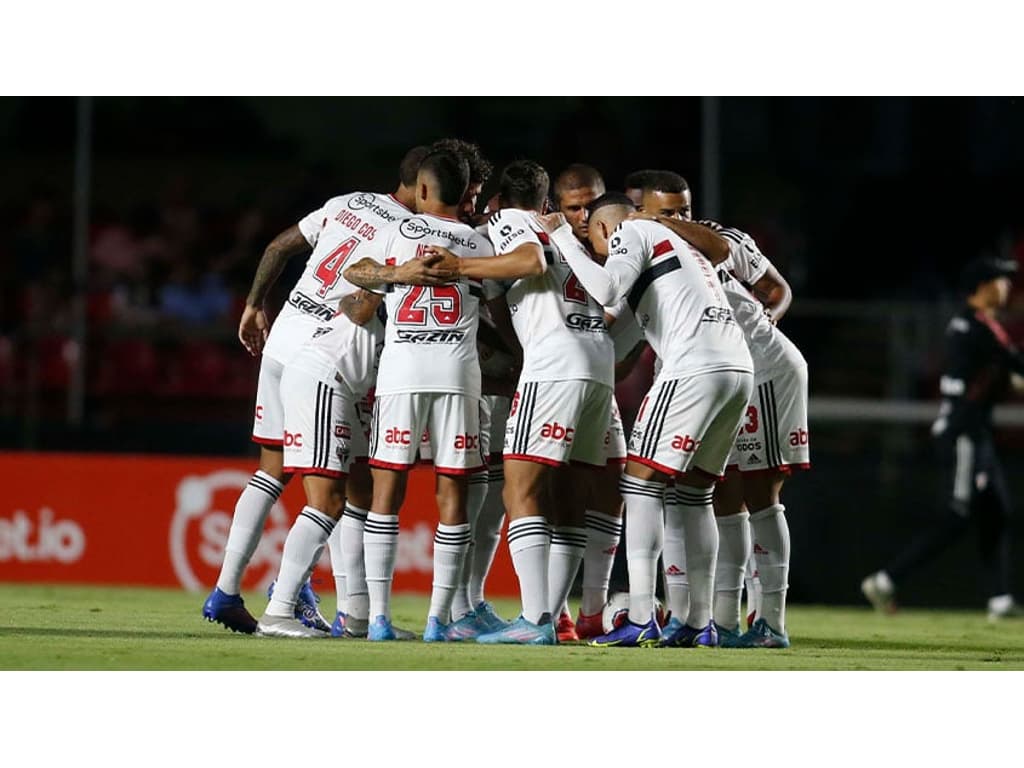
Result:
pixel 973 479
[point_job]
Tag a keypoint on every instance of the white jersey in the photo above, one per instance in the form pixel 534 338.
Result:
pixel 342 350
pixel 769 347
pixel 560 327
pixel 625 331
pixel 430 337
pixel 338 231
pixel 676 297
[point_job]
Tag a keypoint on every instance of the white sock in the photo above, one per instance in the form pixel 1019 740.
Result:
pixel 450 545
pixel 475 497
pixel 529 541
pixel 353 522
pixel 771 550
pixel 677 585
pixel 700 537
pixel 380 544
pixel 338 568
pixel 251 512
pixel 568 543
pixel 603 534
pixel 302 550
pixel 752 582
pixel 486 535
pixel 645 537
pixel 734 550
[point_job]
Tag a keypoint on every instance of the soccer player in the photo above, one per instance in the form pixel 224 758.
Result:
pixel 576 188
pixel 773 440
pixel 312 302
pixel 688 421
pixel 321 388
pixel 564 390
pixel 429 379
pixel 981 360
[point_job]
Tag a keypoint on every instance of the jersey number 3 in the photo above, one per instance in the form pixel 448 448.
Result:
pixel 443 301
pixel 329 269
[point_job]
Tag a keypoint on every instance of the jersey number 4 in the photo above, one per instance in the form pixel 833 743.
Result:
pixel 443 301
pixel 328 271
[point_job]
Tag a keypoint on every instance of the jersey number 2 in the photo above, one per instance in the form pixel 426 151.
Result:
pixel 443 301
pixel 329 269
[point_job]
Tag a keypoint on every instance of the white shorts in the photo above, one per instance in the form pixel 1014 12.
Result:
pixel 322 432
pixel 690 423
pixel 450 424
pixel 615 438
pixel 557 422
pixel 773 433
pixel 268 424
pixel 498 406
pixel 426 453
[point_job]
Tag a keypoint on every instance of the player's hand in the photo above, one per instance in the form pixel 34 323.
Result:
pixel 426 271
pixel 253 329
pixel 647 215
pixel 551 221
pixel 442 259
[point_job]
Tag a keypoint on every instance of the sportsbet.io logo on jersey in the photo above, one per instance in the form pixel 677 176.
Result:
pixel 368 201
pixel 417 228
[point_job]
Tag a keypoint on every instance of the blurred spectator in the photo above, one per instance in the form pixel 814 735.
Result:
pixel 194 297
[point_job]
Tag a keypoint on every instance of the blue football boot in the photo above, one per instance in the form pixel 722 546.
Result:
pixel 488 620
pixel 435 632
pixel 523 632
pixel 468 627
pixel 728 638
pixel 630 635
pixel 761 635
pixel 230 611
pixel 689 637
pixel 381 629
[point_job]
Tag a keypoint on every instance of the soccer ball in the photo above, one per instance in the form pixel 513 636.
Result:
pixel 616 612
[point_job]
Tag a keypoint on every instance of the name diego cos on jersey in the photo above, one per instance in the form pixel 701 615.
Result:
pixel 337 231
pixel 561 328
pixel 678 301
pixel 430 336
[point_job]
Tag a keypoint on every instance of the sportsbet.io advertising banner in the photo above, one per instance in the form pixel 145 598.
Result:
pixel 157 521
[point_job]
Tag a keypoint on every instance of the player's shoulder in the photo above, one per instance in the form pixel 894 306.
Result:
pixel 732 234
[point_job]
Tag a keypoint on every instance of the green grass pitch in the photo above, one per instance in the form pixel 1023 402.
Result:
pixel 93 628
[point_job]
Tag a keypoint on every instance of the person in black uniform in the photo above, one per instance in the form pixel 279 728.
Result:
pixel 981 363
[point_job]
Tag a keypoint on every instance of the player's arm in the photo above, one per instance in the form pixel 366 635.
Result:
pixel 526 260
pixel 498 307
pixel 608 284
pixel 253 328
pixel 375 277
pixel 712 245
pixel 774 292
pixel 360 307
pixel 625 366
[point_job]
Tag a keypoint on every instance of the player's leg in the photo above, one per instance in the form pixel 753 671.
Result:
pixel 319 421
pixel 566 505
pixel 397 422
pixel 705 434
pixel 462 607
pixel 604 529
pixel 734 550
pixel 454 425
pixel 771 550
pixel 991 514
pixel 225 604
pixel 955 459
pixel 346 543
pixel 487 533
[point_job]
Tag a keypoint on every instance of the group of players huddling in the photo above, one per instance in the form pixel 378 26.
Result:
pixel 422 331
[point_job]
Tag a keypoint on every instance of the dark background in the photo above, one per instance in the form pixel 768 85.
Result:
pixel 868 205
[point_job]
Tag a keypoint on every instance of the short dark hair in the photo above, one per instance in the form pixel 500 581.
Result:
pixel 577 176
pixel 451 173
pixel 524 184
pixel 638 179
pixel 410 165
pixel 480 167
pixel 610 198
pixel 666 181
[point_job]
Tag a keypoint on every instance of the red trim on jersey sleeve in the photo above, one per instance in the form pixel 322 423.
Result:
pixel 268 441
pixel 543 237
pixel 459 470
pixel 534 459
pixel 653 464
pixel 332 473
pixel 388 465
pixel 661 249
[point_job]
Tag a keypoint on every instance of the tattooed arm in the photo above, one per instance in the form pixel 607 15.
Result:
pixel 373 276
pixel 253 328
pixel 361 306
